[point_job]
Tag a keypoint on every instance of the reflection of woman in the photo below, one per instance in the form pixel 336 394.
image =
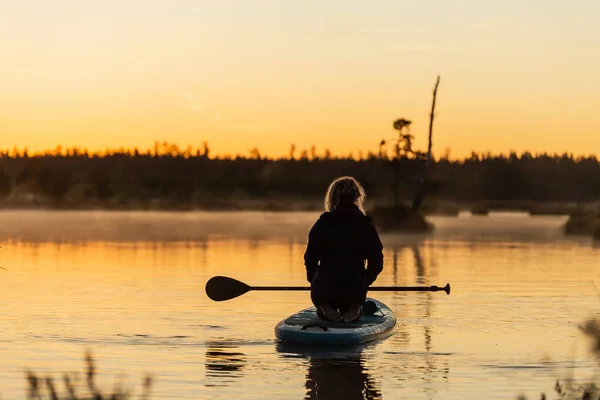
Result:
pixel 336 375
pixel 332 379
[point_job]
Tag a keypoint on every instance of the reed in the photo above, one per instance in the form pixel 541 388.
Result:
pixel 45 387
pixel 569 388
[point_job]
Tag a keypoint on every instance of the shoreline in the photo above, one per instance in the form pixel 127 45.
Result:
pixel 168 206
pixel 433 208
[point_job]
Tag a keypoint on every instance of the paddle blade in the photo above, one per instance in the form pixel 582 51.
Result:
pixel 220 288
pixel 446 288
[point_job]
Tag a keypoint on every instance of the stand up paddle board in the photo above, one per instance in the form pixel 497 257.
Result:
pixel 305 327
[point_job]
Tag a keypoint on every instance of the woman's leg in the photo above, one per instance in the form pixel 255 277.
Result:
pixel 353 313
pixel 351 308
pixel 325 306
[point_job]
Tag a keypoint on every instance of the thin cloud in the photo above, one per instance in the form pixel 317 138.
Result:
pixel 138 68
pixel 192 103
pixel 260 127
pixel 414 46
pixel 196 106
pixel 484 24
pixel 421 40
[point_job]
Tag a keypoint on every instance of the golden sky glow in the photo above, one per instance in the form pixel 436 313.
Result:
pixel 515 75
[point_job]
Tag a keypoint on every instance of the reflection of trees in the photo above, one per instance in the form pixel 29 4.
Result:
pixel 333 375
pixel 223 363
pixel 415 363
pixel 424 275
pixel 422 278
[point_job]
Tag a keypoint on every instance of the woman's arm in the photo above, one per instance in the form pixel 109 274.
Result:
pixel 313 253
pixel 374 254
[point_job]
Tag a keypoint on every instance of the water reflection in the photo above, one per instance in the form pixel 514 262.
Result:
pixel 62 267
pixel 335 374
pixel 416 361
pixel 423 279
pixel 224 363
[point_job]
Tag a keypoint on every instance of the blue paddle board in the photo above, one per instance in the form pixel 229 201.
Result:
pixel 305 327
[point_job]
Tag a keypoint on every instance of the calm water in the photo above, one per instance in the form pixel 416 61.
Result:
pixel 130 288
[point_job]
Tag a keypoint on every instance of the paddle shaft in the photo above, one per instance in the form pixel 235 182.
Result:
pixel 220 288
pixel 373 289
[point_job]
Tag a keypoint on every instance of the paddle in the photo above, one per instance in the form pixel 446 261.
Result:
pixel 220 288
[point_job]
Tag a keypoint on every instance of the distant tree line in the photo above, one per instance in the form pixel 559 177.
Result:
pixel 191 176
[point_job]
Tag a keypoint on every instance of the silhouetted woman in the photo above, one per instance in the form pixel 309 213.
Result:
pixel 339 243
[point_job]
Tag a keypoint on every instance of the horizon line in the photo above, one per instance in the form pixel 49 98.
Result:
pixel 165 148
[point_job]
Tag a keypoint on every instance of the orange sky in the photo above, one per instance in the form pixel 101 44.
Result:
pixel 330 73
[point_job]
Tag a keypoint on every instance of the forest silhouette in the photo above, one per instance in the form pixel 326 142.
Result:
pixel 191 178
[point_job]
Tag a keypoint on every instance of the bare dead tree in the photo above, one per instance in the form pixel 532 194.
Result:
pixel 420 195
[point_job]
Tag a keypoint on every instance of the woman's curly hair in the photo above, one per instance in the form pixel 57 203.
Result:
pixel 345 190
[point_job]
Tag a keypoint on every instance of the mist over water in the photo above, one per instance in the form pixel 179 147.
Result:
pixel 129 286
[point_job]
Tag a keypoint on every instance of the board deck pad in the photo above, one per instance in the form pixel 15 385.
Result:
pixel 306 327
pixel 310 317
